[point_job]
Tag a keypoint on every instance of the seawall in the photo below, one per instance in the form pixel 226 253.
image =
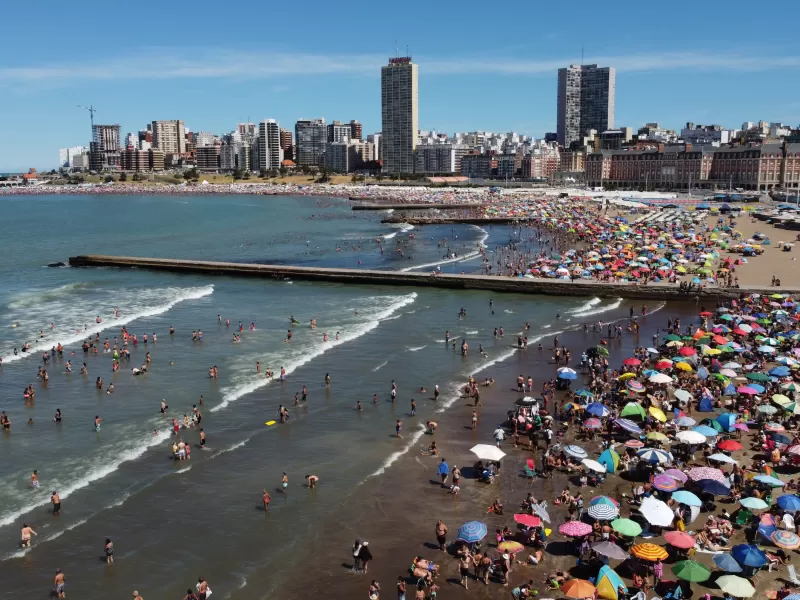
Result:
pixel 494 283
pixel 423 206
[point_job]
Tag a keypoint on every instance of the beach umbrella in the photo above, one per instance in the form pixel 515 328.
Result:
pixel 636 387
pixel 727 421
pixel 663 364
pixel 567 373
pixel 629 426
pixel 660 378
pixel 753 503
pixel 527 520
pixel 602 350
pixel 608 583
pixel 683 366
pixel 584 393
pixel 677 474
pixel 700 473
pixel 597 409
pixel 779 439
pixel 511 547
pixel 691 437
pixel 657 414
pixel 780 399
pixel 603 512
pixel 723 458
pixel 541 512
pixel 687 498
pixel 626 527
pixel 687 351
pixel 683 395
pixel 472 532
pixel 679 539
pixel 686 422
pixel 577 588
pixel 769 480
pixel 487 452
pixel 575 529
pixel 576 452
pixel 594 465
pixel 607 500
pixel 757 377
pixel 749 556
pixel 729 445
pixel 780 371
pixel 654 456
pixel 738 587
pixel 786 539
pixel 708 430
pixel 767 409
pixel 774 427
pixel 648 551
pixel 609 549
pixel 766 350
pixel 714 487
pixel 657 436
pixel 633 409
pixel 727 563
pixel 631 362
pixel 656 512
pixel 592 423
pixel 746 390
pixel 791 387
pixel 789 502
pixel 640 444
pixel 689 570
pixel 665 483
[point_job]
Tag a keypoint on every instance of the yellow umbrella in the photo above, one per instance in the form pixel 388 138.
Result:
pixel 657 435
pixel 658 414
pixel 680 269
pixel 711 351
pixel 626 376
pixel 682 366
pixel 780 399
pixel 675 344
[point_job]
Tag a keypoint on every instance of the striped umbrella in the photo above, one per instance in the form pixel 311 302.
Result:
pixel 774 427
pixel 575 529
pixel 603 500
pixel 648 551
pixel 786 539
pixel 634 386
pixel 629 425
pixel 639 444
pixel 698 473
pixel 665 483
pixel 603 512
pixel 592 423
pixel 472 532
pixel 576 451
pixel 654 456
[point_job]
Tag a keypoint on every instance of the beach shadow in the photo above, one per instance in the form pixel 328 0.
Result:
pixel 561 548
pixel 453 581
pixel 431 546
pixel 434 482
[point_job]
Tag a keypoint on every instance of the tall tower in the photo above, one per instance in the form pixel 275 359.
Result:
pixel 400 114
pixel 269 145
pixel 585 101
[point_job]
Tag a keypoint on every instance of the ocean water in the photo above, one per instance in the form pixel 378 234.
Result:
pixel 172 521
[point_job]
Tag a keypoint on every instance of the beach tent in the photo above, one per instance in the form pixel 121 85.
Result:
pixel 705 405
pixel 608 582
pixel 610 459
pixel 727 421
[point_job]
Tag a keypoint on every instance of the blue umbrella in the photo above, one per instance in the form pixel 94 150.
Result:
pixel 781 371
pixel 748 555
pixel 757 387
pixel 687 498
pixel 654 456
pixel 567 375
pixel 706 430
pixel 629 425
pixel 789 502
pixel 584 393
pixel 712 486
pixel 702 373
pixel 597 409
pixel 727 563
pixel 773 481
pixel 472 532
pixel 779 438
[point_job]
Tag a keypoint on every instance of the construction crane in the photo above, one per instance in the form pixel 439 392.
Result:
pixel 91 110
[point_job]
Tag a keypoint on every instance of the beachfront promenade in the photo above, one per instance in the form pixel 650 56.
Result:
pixel 493 283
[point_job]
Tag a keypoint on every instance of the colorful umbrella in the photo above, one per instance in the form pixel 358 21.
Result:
pixel 634 386
pixel 626 527
pixel 698 473
pixel 687 498
pixel 690 570
pixel 629 425
pixel 576 451
pixel 575 529
pixel 654 456
pixel 679 539
pixel 597 409
pixel 472 532
pixel 603 512
pixel 665 483
pixel 786 539
pixel 676 474
pixel 592 423
pixel 578 588
pixel 640 444
pixel 510 546
pixel 608 583
pixel 528 520
pixel 648 551
pixel 789 502
pixel 729 445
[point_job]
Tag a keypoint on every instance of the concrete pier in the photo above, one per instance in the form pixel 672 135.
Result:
pixel 423 206
pixel 550 287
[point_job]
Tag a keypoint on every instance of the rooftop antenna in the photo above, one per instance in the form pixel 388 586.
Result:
pixel 396 51
pixel 581 55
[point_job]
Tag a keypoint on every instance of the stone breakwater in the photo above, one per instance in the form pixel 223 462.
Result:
pixel 517 285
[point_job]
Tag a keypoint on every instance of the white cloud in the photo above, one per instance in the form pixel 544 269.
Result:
pixel 193 63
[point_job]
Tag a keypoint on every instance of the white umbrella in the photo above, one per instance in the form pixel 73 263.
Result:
pixel 722 458
pixel 487 452
pixel 576 452
pixel 683 395
pixel 691 437
pixel 660 378
pixel 653 351
pixel 656 512
pixel 736 586
pixel 594 465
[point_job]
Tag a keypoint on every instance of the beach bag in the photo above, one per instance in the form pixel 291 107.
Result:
pixel 681 526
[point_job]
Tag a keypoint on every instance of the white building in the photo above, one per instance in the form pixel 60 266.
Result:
pixel 66 156
pixel 204 138
pixel 270 154
pixel 399 114
pixel 706 135
pixel 132 141
pixel 375 140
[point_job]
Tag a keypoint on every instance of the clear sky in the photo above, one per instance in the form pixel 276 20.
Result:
pixel 481 66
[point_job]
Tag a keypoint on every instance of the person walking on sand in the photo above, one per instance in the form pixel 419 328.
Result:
pixel 463 567
pixel 474 420
pixel 444 471
pixel 441 535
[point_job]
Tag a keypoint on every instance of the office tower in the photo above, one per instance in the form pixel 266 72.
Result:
pixel 399 114
pixel 310 138
pixel 585 101
pixel 269 145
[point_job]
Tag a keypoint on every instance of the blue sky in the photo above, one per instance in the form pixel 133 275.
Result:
pixel 486 67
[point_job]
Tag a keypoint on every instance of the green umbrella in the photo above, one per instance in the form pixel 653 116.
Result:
pixel 626 527
pixel 602 350
pixel 633 409
pixel 673 338
pixel 690 570
pixel 702 340
pixel 757 377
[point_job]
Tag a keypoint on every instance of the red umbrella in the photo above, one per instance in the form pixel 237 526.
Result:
pixel 528 520
pixel 664 364
pixel 705 314
pixel 729 445
pixel 679 539
pixel 738 331
pixel 686 351
pixel 632 362
pixel 718 339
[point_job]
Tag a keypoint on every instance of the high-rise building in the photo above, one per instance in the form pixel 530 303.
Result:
pixel 310 137
pixel 104 148
pixel 269 145
pixel 399 114
pixel 356 131
pixel 585 101
pixel 439 159
pixel 169 137
pixel 208 157
pixel 338 132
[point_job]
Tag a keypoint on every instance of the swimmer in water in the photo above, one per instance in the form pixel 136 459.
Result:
pixel 358 405
pixel 35 479
pixel 312 481
pixel 97 421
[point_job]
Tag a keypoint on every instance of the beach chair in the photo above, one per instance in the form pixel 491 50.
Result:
pixel 792 574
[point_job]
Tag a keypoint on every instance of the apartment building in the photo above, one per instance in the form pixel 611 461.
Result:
pixel 311 137
pixel 399 115
pixel 585 101
pixel 169 137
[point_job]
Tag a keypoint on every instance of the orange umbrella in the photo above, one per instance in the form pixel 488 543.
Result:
pixel 649 551
pixel 578 588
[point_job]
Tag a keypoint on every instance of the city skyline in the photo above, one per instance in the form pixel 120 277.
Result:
pixel 507 84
